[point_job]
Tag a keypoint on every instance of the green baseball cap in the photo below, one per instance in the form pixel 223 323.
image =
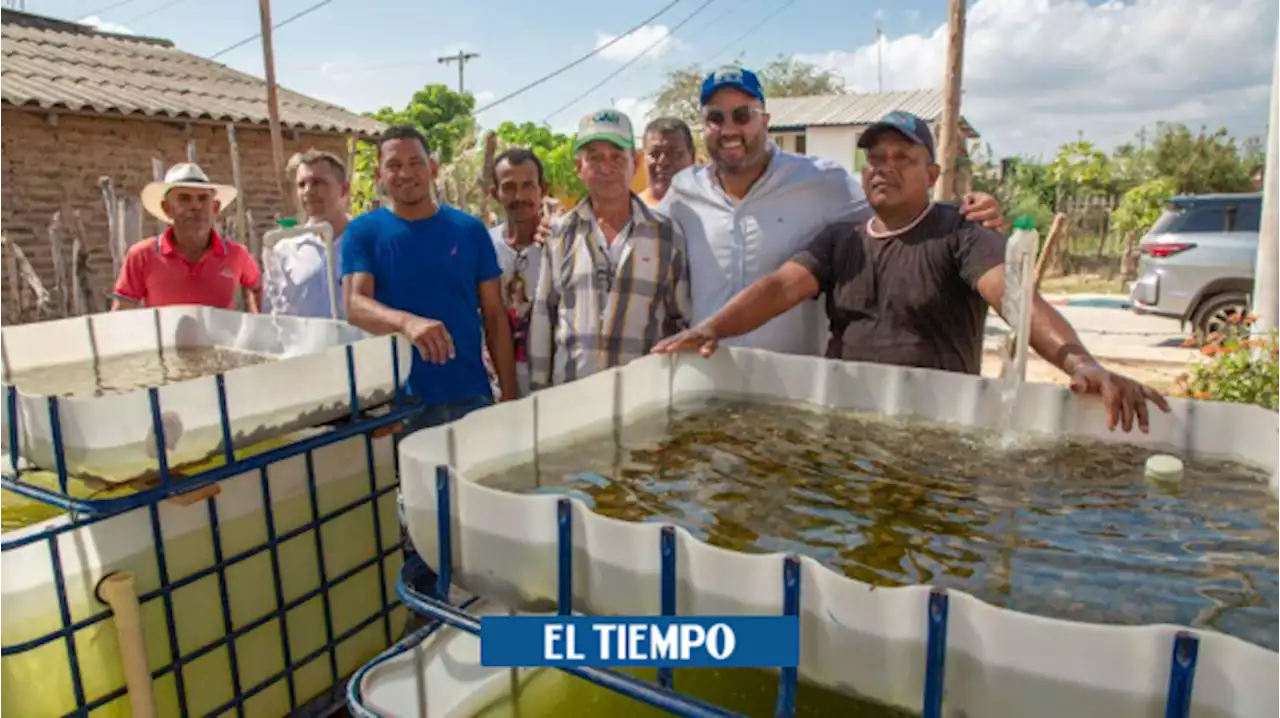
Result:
pixel 609 125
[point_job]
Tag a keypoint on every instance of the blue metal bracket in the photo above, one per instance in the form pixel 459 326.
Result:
pixel 662 694
pixel 358 422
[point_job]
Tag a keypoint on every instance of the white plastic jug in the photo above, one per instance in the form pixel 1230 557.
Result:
pixel 1020 289
pixel 283 248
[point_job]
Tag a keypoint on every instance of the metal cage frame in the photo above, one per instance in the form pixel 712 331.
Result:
pixel 662 694
pixel 86 512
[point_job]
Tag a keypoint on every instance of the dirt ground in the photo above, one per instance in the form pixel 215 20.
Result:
pixel 1159 375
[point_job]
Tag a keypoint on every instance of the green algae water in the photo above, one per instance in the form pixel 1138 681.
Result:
pixel 129 372
pixel 1064 529
pixel 115 375
pixel 745 691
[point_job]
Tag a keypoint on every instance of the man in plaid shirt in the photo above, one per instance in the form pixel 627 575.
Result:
pixel 614 278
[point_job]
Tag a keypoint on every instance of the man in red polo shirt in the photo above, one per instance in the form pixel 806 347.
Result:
pixel 188 263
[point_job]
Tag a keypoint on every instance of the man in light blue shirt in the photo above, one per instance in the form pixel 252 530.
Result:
pixel 754 206
pixel 297 270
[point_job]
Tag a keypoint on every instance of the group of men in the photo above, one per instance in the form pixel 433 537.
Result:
pixel 736 251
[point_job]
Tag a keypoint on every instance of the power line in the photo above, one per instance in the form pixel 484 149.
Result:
pixel 277 26
pixel 152 11
pixel 630 62
pixel 576 62
pixel 109 8
pixel 748 33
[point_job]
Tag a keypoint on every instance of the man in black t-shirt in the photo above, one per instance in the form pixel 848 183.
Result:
pixel 912 285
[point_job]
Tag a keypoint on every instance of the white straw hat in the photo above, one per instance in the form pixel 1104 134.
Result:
pixel 184 174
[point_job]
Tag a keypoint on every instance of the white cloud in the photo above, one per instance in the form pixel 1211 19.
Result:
pixel 637 42
pixel 1037 72
pixel 98 23
pixel 483 96
pixel 637 108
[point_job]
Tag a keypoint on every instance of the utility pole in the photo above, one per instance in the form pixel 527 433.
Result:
pixel 949 140
pixel 273 107
pixel 879 57
pixel 1266 285
pixel 462 58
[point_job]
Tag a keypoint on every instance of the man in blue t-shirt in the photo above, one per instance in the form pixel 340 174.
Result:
pixel 429 272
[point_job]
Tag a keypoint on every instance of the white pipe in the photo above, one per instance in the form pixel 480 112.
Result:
pixel 118 592
pixel 1266 282
pixel 1020 289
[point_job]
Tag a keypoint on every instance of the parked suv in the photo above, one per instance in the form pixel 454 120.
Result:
pixel 1197 261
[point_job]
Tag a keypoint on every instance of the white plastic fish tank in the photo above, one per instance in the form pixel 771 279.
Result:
pixel 108 434
pixel 294 559
pixel 855 639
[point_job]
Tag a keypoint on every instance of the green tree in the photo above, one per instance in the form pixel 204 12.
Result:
pixel 782 77
pixel 1141 206
pixel 553 149
pixel 443 116
pixel 1080 167
pixel 1198 164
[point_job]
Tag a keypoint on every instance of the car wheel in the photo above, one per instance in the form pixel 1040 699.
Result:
pixel 1217 313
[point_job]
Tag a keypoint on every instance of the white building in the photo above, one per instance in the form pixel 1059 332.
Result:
pixel 828 126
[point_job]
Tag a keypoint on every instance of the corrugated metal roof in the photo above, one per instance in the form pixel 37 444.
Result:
pixel 854 108
pixel 54 64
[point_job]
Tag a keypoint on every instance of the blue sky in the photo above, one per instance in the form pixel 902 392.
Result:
pixel 1037 71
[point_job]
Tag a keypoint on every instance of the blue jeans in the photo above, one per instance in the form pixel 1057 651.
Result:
pixel 429 416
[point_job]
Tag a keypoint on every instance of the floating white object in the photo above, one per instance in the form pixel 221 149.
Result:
pixel 853 639
pixel 1163 467
pixel 111 437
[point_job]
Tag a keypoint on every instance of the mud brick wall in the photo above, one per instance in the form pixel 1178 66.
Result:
pixel 44 162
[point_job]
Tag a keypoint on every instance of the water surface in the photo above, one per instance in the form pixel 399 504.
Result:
pixel 123 373
pixel 1065 528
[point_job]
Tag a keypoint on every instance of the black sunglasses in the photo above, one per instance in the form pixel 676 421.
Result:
pixel 740 115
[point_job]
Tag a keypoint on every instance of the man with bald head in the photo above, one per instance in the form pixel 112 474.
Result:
pixel 911 285
pixel 755 205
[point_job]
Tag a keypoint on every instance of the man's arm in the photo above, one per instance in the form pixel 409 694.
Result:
pixel 366 312
pixel 497 337
pixel 765 299
pixel 804 277
pixel 542 318
pixel 1051 336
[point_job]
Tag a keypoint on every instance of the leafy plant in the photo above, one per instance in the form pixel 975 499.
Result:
pixel 1237 368
pixel 1141 206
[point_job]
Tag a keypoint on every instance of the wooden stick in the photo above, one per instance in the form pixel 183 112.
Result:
pixel 44 301
pixel 157 174
pixel 113 223
pixel 130 224
pixel 81 290
pixel 61 297
pixel 949 137
pixel 13 276
pixel 273 100
pixel 241 224
pixel 485 179
pixel 353 146
pixel 1050 242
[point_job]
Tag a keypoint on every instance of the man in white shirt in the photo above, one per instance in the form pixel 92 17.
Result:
pixel 520 187
pixel 754 206
pixel 298 268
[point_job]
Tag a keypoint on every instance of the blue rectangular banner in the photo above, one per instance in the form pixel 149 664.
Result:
pixel 696 641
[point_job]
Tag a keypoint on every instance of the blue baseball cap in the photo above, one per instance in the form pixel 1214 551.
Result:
pixel 731 76
pixel 905 124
